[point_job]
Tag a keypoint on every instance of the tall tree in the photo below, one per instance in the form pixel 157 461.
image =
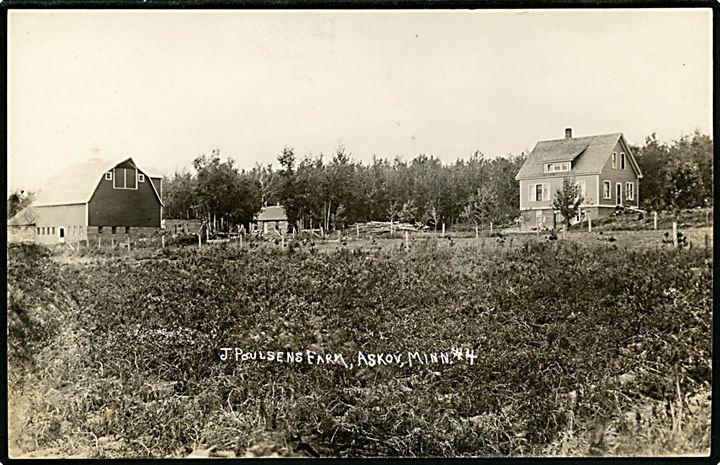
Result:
pixel 482 207
pixel 567 200
pixel 179 196
pixel 17 201
pixel 223 193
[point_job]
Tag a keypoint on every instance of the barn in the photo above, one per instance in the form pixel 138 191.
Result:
pixel 86 202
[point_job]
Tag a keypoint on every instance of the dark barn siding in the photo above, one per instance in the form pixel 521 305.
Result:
pixel 157 182
pixel 124 207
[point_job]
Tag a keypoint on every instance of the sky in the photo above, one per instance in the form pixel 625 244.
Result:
pixel 168 86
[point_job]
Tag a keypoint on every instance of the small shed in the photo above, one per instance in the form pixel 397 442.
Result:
pixel 272 218
pixel 21 227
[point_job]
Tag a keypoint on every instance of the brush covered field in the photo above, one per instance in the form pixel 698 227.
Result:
pixel 579 348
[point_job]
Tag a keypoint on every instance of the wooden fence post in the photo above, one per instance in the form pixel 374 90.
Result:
pixel 322 232
pixel 443 230
pixel 407 240
pixel 199 240
pixel 112 242
pixel 477 233
pixel 589 224
pixel 99 242
pixel 282 239
pixel 128 244
pixel 655 220
pixel 674 233
pixel 357 231
pixel 162 240
pixel 491 228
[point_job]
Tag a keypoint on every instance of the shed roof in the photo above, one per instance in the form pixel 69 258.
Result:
pixel 588 154
pixel 272 213
pixel 77 183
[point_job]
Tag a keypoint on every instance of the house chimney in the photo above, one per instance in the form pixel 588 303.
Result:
pixel 568 133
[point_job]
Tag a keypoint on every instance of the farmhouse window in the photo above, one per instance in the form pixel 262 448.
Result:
pixel 112 230
pixel 141 177
pixel 618 193
pixel 538 192
pixel 52 230
pixel 125 178
pixel 100 228
pixel 622 160
pixel 38 231
pixel 614 160
pixel 127 229
pixel 108 176
pixel 557 167
pixel 607 193
pixel 630 190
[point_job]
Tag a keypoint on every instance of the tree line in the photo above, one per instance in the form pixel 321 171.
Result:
pixel 677 175
pixel 339 191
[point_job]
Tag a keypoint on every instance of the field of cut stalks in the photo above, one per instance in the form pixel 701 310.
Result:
pixel 566 348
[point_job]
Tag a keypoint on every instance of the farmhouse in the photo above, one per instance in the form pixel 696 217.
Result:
pixel 271 219
pixel 97 199
pixel 602 166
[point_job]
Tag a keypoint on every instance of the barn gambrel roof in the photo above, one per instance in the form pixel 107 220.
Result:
pixel 77 183
pixel 587 154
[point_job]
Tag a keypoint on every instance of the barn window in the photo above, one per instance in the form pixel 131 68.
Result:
pixel 127 229
pixel 100 228
pixel 125 178
pixel 112 230
pixel 52 230
pixel 38 231
pixel 130 179
pixel 141 177
pixel 108 176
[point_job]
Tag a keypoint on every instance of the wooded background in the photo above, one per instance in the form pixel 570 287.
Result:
pixel 337 191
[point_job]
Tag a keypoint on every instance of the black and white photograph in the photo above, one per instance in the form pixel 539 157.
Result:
pixel 331 233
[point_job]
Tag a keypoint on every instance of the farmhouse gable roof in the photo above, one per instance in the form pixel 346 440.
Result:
pixel 77 183
pixel 587 154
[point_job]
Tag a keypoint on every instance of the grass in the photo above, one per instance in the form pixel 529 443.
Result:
pixel 117 355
